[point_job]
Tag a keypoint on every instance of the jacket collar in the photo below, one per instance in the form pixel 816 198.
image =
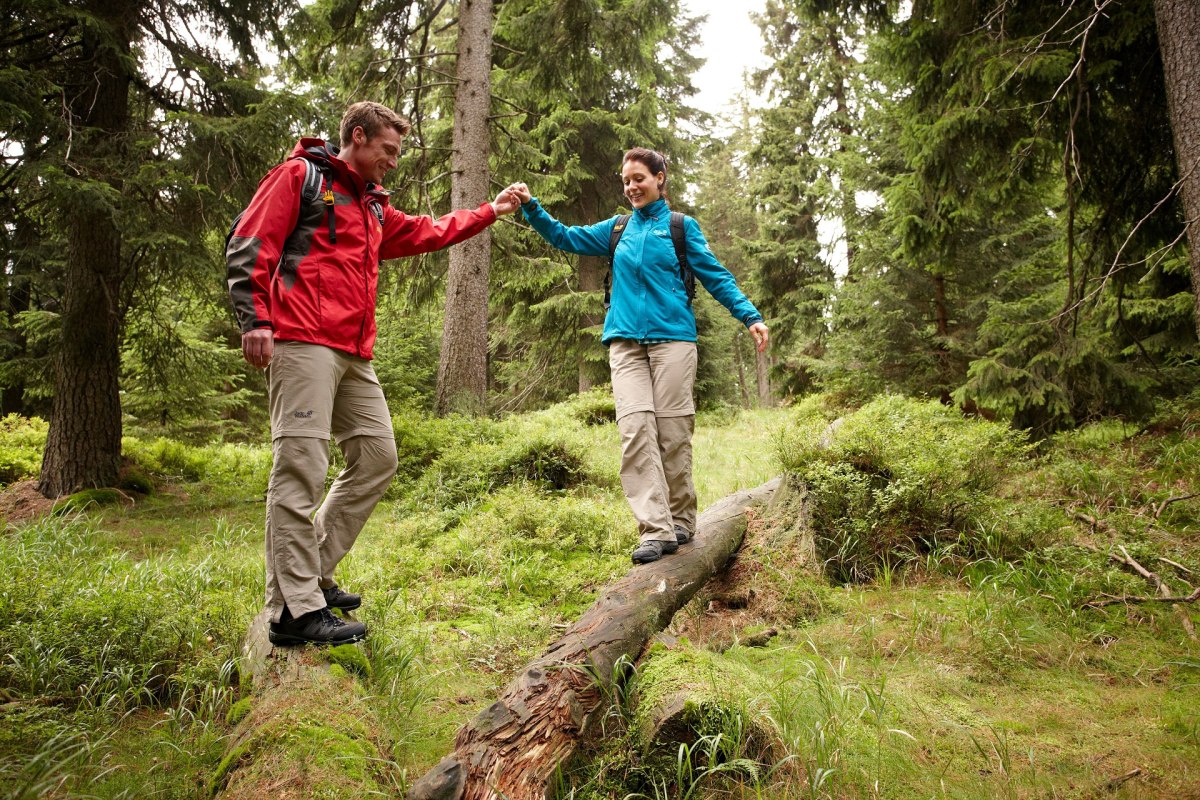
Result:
pixel 653 210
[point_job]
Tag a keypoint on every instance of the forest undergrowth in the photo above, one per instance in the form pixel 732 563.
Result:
pixel 935 608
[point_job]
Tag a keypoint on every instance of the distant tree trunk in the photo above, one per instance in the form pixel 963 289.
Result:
pixel 849 208
pixel 591 279
pixel 83 447
pixel 17 298
pixel 462 369
pixel 738 338
pixel 1178 23
pixel 762 373
pixel 942 320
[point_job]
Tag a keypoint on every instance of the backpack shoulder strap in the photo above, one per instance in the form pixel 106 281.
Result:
pixel 613 238
pixel 679 239
pixel 615 235
pixel 318 182
pixel 313 182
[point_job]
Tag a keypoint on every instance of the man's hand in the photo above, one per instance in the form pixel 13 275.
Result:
pixel 506 202
pixel 258 346
pixel 521 191
pixel 759 331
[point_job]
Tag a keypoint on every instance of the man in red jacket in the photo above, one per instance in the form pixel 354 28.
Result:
pixel 303 265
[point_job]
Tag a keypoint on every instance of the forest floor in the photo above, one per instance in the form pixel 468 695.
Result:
pixel 963 653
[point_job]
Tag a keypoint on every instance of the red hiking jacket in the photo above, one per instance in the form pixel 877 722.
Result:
pixel 284 273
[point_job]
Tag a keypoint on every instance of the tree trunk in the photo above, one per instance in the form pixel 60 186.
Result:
pixel 1178 23
pixel 591 279
pixel 942 320
pixel 762 374
pixel 515 747
pixel 738 338
pixel 18 297
pixel 83 446
pixel 462 369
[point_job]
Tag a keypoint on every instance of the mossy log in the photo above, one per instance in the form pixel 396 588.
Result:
pixel 514 748
pixel 306 730
pixel 686 694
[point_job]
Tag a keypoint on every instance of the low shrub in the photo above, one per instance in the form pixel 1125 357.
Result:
pixel 897 479
pixel 240 465
pixel 595 407
pixel 547 449
pixel 22 440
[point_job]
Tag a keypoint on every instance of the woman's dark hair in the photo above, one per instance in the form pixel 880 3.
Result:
pixel 655 161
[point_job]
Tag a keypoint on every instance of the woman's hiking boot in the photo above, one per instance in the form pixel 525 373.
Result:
pixel 682 534
pixel 336 598
pixel 653 550
pixel 315 627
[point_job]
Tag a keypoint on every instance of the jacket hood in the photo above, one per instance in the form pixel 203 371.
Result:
pixel 315 149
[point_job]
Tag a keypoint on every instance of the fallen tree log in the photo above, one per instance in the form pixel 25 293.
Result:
pixel 514 748
pixel 305 730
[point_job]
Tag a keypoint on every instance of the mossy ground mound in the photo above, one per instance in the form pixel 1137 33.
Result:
pixel 321 740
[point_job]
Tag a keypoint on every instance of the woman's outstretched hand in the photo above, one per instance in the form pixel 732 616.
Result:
pixel 759 331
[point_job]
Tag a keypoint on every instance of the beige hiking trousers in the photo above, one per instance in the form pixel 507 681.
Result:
pixel 316 392
pixel 652 385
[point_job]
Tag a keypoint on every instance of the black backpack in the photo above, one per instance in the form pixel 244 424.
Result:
pixel 677 238
pixel 318 182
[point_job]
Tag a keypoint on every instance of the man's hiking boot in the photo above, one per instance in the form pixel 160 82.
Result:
pixel 315 627
pixel 682 534
pixel 653 551
pixel 336 598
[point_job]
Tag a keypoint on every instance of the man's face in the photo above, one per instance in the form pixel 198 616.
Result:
pixel 375 157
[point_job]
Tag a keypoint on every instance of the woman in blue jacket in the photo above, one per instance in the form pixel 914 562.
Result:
pixel 650 332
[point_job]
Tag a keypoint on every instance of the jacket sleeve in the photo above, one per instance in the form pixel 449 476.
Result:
pixel 719 281
pixel 584 240
pixel 409 236
pixel 256 243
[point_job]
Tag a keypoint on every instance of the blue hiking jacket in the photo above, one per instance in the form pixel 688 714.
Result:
pixel 649 301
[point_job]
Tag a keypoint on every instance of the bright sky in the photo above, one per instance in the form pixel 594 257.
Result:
pixel 732 44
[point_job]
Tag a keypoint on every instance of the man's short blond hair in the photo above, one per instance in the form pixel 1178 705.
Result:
pixel 372 118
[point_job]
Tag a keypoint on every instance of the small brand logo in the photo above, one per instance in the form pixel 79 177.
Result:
pixel 302 414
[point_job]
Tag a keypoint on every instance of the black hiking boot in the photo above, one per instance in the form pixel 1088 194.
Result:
pixel 653 551
pixel 336 598
pixel 682 534
pixel 315 627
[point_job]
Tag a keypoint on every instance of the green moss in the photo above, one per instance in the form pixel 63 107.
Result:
pixel 238 753
pixel 88 498
pixel 133 480
pixel 238 712
pixel 320 735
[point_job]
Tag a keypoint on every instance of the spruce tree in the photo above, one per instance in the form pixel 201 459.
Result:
pixel 98 103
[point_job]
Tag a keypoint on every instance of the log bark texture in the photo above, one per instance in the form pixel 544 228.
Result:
pixel 514 747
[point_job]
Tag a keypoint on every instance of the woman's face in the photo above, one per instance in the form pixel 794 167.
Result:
pixel 642 186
